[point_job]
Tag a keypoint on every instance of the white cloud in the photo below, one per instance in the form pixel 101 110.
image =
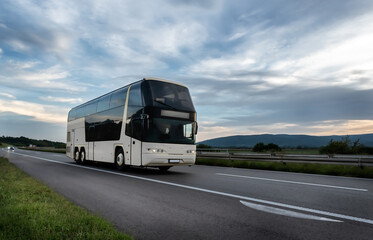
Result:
pixel 62 100
pixel 237 35
pixel 208 132
pixel 299 54
pixel 61 12
pixel 223 66
pixel 338 60
pixel 8 95
pixel 330 55
pixel 339 127
pixel 39 112
pixel 29 75
pixel 171 39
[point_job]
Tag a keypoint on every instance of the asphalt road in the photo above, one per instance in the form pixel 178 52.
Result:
pixel 203 202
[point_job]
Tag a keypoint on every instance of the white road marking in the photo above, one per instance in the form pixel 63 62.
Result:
pixel 330 214
pixel 303 183
pixel 284 212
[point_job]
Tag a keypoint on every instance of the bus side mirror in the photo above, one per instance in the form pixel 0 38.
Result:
pixel 196 128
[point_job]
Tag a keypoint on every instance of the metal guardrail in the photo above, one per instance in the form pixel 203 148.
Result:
pixel 359 160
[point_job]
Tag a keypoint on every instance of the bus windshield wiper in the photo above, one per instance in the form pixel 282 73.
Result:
pixel 165 104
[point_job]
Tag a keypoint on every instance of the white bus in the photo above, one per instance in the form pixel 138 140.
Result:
pixel 151 122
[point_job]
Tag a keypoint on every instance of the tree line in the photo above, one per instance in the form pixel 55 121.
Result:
pixel 24 141
pixel 344 146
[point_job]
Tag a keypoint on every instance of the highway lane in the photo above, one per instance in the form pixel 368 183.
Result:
pixel 202 202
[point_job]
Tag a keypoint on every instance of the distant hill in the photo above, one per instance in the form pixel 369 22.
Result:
pixel 283 140
pixel 24 141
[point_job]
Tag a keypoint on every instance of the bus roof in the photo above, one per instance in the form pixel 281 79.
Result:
pixel 144 79
pixel 163 80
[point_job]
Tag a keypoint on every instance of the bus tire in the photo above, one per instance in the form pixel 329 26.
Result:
pixel 82 156
pixel 119 159
pixel 76 155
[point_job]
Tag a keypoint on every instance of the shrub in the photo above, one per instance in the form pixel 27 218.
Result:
pixel 345 146
pixel 201 145
pixel 261 147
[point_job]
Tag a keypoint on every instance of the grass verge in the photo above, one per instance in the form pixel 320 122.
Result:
pixel 30 210
pixel 336 170
pixel 53 150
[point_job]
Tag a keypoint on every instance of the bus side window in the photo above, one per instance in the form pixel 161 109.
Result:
pixel 135 98
pixel 118 98
pixel 134 110
pixel 103 103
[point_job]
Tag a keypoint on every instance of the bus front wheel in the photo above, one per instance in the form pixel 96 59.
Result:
pixel 119 159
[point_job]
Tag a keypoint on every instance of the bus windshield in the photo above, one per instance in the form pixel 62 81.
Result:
pixel 166 130
pixel 169 95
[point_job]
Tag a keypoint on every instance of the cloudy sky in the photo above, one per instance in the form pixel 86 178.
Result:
pixel 253 67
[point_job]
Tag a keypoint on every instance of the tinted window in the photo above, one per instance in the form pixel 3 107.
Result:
pixel 72 115
pixel 79 112
pixel 104 126
pixel 118 98
pixel 135 98
pixel 103 103
pixel 133 113
pixel 170 131
pixel 89 109
pixel 168 95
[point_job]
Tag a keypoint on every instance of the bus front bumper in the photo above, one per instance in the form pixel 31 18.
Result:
pixel 156 154
pixel 167 160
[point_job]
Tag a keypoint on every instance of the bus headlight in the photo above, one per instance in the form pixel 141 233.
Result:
pixel 191 151
pixel 156 150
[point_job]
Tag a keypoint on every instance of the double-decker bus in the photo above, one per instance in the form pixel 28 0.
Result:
pixel 149 123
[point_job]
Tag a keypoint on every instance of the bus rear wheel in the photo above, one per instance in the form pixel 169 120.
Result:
pixel 119 159
pixel 82 157
pixel 77 156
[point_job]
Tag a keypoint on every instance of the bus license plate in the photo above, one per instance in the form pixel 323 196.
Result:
pixel 173 160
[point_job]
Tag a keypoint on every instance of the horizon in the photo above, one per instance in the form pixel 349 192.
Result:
pixel 226 136
pixel 275 67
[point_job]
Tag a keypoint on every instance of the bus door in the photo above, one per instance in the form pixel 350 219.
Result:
pixel 71 141
pixel 91 151
pixel 136 152
pixel 136 145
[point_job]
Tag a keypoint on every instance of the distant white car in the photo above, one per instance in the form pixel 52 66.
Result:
pixel 11 148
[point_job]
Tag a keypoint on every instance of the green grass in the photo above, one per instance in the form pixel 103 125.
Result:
pixel 53 150
pixel 310 151
pixel 30 210
pixel 326 169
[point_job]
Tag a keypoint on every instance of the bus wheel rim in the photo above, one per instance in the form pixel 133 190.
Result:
pixel 120 159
